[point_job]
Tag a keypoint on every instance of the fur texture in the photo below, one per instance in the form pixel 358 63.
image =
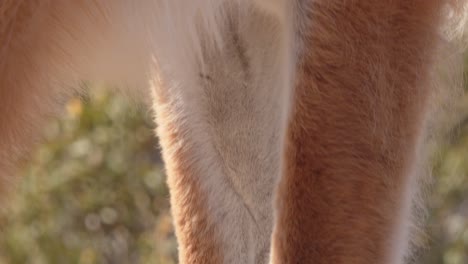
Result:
pixel 231 123
pixel 325 102
pixel 360 116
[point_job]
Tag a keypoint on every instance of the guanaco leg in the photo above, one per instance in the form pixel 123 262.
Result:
pixel 291 131
pixel 222 107
pixel 355 138
pixel 222 138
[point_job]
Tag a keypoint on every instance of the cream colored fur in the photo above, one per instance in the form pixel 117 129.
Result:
pixel 228 71
pixel 227 66
pixel 234 107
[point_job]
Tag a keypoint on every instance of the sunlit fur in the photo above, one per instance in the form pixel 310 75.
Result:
pixel 292 131
pixel 48 46
pixel 363 100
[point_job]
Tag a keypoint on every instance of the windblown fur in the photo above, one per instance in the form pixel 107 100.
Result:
pixel 327 105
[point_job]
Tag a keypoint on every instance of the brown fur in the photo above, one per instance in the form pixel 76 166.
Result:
pixel 362 93
pixel 194 230
pixel 24 98
pixel 360 102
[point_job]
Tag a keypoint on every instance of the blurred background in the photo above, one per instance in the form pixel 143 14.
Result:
pixel 94 192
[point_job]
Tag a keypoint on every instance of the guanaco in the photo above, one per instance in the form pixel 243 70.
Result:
pixel 292 131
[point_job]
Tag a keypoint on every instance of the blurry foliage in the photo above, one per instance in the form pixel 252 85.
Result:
pixel 448 224
pixel 449 220
pixel 94 193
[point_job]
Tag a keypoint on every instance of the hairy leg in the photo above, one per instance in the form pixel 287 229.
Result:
pixel 361 101
pixel 221 126
pixel 222 122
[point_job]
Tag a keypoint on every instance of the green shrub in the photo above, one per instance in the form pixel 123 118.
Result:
pixel 94 192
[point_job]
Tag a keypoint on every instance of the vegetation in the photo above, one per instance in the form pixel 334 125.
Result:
pixel 95 192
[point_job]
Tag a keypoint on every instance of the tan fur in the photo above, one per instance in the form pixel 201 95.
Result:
pixel 362 88
pixel 354 78
pixel 231 123
pixel 23 98
pixel 194 229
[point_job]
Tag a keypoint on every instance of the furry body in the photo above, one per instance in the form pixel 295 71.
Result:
pixel 305 120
